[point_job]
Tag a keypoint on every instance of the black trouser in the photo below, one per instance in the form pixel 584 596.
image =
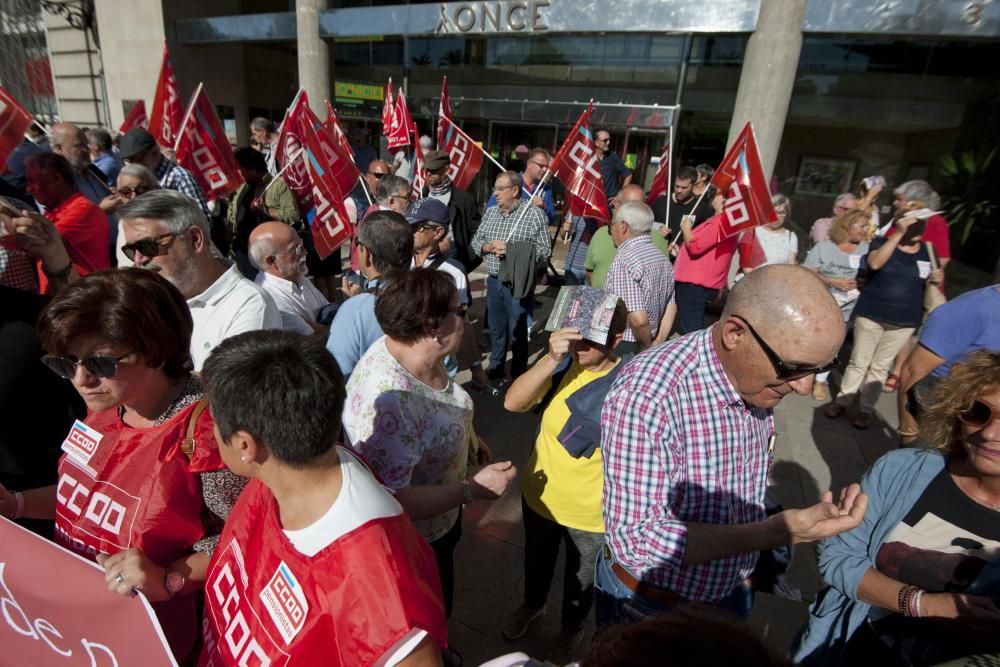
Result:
pixel 542 538
pixel 444 552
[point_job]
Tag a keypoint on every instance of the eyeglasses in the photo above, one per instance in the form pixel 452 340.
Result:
pixel 601 141
pixel 501 188
pixel 403 197
pixel 378 174
pixel 299 249
pixel 99 366
pixel 460 310
pixel 540 165
pixel 978 414
pixel 128 192
pixel 784 370
pixel 149 247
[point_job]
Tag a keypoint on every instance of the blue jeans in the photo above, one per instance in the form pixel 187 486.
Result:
pixel 691 302
pixel 617 604
pixel 508 320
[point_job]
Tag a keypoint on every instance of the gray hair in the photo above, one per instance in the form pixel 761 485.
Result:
pixel 920 191
pixel 261 247
pixel 145 176
pixel 426 141
pixel 636 215
pixel 389 186
pixel 513 178
pixel 101 137
pixel 706 171
pixel 175 210
pixel 778 199
pixel 261 123
pixel 843 197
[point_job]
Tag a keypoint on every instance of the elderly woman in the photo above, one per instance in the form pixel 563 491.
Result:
pixel 411 421
pixel 771 243
pixel 916 583
pixel 836 261
pixel 890 307
pixel 142 489
pixel 133 180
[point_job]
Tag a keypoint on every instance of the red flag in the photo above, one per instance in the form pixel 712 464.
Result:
pixel 333 127
pixel 14 121
pixel 136 118
pixel 660 186
pixel 387 109
pixel 402 124
pixel 466 156
pixel 290 143
pixel 338 163
pixel 331 227
pixel 203 148
pixel 419 182
pixel 167 111
pixel 444 112
pixel 741 178
pixel 576 166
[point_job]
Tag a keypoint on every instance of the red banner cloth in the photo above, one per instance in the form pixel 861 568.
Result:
pixel 165 119
pixel 387 109
pixel 466 156
pixel 136 118
pixel 419 182
pixel 331 227
pixel 290 142
pixel 14 121
pixel 660 185
pixel 402 124
pixel 576 166
pixel 740 178
pixel 332 125
pixel 444 112
pixel 72 620
pixel 203 148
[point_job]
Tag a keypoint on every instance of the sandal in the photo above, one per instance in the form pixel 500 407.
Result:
pixel 891 383
pixel 862 421
pixel 834 410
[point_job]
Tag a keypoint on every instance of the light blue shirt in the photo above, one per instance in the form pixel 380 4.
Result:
pixel 353 331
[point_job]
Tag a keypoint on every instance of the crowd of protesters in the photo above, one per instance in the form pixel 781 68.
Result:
pixel 270 422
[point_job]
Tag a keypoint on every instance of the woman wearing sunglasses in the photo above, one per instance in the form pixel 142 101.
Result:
pixel 133 180
pixel 141 486
pixel 917 582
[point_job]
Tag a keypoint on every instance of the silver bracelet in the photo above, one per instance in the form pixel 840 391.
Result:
pixel 18 505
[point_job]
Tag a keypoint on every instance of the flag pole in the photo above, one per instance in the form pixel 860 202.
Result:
pixel 187 116
pixel 670 169
pixel 288 163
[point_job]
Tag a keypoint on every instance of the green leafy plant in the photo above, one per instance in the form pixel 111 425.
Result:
pixel 965 197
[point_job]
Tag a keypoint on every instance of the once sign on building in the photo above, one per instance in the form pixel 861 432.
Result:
pixel 525 16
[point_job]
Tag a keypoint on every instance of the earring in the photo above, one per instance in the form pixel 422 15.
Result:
pixel 437 339
pixel 243 458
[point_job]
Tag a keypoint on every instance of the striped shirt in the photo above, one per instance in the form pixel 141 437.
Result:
pixel 680 445
pixel 643 278
pixel 496 226
pixel 172 176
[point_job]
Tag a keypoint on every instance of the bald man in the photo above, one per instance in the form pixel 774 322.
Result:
pixel 277 251
pixel 687 436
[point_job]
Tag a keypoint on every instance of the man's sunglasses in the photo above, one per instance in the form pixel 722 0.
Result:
pixel 378 174
pixel 149 247
pixel 128 192
pixel 978 414
pixel 784 370
pixel 99 366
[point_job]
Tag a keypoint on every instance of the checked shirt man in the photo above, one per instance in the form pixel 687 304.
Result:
pixel 688 437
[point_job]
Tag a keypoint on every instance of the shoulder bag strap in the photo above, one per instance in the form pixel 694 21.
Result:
pixel 187 444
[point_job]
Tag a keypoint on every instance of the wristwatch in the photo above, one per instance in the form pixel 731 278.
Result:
pixel 467 496
pixel 173 581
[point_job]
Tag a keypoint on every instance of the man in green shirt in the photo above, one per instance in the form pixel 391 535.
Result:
pixel 602 250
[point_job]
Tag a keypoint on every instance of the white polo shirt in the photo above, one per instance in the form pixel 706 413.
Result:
pixel 231 305
pixel 298 303
pixel 456 274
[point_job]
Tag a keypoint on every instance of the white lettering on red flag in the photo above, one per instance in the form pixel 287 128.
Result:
pixel 387 109
pixel 289 144
pixel 576 166
pixel 166 117
pixel 740 178
pixel 402 124
pixel 203 148
pixel 14 121
pixel 331 227
pixel 444 112
pixel 466 156
pixel 136 118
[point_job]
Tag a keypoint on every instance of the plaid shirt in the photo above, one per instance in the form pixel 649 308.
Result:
pixel 644 279
pixel 495 226
pixel 680 445
pixel 172 176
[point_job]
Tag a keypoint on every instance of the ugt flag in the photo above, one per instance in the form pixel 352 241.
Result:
pixel 419 182
pixel 332 126
pixel 203 148
pixel 14 121
pixel 661 184
pixel 165 121
pixel 387 108
pixel 136 118
pixel 331 226
pixel 740 178
pixel 466 156
pixel 290 144
pixel 444 113
pixel 402 124
pixel 576 166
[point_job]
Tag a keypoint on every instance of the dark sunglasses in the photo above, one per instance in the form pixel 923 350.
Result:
pixel 784 370
pixel 378 174
pixel 978 414
pixel 100 366
pixel 149 247
pixel 129 191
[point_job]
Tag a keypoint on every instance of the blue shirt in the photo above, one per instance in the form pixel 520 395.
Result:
pixel 353 330
pixel 963 325
pixel 548 204
pixel 613 170
pixel 894 294
pixel 110 165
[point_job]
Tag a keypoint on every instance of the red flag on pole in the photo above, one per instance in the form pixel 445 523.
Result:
pixel 136 118
pixel 576 166
pixel 290 142
pixel 338 162
pixel 444 113
pixel 740 178
pixel 660 185
pixel 419 182
pixel 203 148
pixel 388 105
pixel 167 110
pixel 466 156
pixel 332 125
pixel 14 121
pixel 402 124
pixel 331 226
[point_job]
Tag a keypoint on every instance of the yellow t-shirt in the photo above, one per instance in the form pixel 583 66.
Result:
pixel 557 486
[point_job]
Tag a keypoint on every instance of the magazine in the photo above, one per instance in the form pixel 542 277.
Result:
pixel 585 308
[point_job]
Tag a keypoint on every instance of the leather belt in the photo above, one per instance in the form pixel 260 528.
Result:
pixel 660 596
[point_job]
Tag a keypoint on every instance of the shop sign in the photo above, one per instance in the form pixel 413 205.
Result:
pixel 358 91
pixel 505 16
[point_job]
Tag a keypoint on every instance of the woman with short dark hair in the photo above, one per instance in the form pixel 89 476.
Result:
pixel 411 421
pixel 142 488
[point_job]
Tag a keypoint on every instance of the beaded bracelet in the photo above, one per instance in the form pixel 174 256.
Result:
pixel 903 598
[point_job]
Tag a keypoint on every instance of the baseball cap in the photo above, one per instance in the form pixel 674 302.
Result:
pixel 434 160
pixel 134 142
pixel 428 210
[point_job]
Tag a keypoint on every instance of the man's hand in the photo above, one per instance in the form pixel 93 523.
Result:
pixel 952 605
pixel 110 203
pixel 349 288
pixel 844 284
pixel 131 570
pixel 561 342
pixel 936 277
pixel 665 232
pixel 490 482
pixel 537 201
pixel 497 247
pixel 826 518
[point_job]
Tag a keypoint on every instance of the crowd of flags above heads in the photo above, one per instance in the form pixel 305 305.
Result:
pixel 317 161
